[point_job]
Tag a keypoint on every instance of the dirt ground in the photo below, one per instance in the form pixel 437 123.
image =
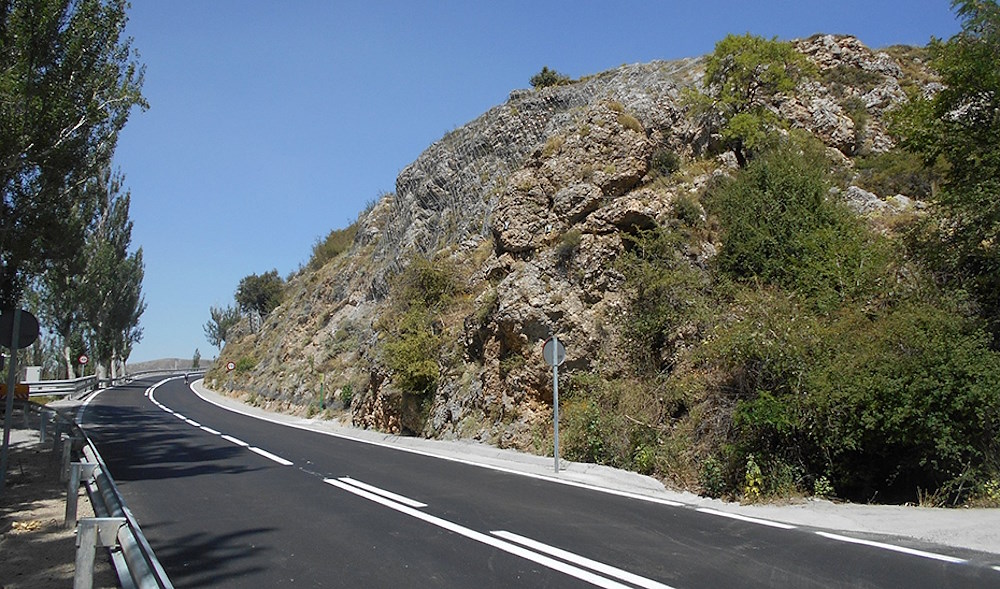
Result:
pixel 36 550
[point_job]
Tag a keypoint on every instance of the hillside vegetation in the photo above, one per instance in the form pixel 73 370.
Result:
pixel 763 294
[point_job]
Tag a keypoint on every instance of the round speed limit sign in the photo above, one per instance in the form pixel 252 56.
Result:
pixel 83 359
pixel 230 366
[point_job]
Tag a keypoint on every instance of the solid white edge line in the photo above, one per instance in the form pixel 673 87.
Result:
pixel 894 548
pixel 599 567
pixel 543 560
pixel 236 441
pixel 270 456
pixel 550 478
pixel 387 494
pixel 744 518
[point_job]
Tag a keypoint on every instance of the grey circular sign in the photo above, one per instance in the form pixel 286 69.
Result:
pixel 553 352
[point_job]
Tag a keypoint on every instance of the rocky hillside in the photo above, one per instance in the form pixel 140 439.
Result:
pixel 524 214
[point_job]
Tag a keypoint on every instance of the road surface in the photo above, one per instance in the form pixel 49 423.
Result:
pixel 227 500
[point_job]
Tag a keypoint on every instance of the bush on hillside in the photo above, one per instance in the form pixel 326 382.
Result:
pixel 781 227
pixel 413 340
pixel 335 243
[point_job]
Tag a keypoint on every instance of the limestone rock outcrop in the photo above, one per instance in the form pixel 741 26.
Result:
pixel 534 202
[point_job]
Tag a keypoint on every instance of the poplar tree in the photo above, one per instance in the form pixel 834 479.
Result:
pixel 112 287
pixel 68 82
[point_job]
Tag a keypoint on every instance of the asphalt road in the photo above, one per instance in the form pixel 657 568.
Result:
pixel 227 500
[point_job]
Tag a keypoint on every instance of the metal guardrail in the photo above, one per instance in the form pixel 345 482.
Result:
pixel 78 387
pixel 75 387
pixel 135 562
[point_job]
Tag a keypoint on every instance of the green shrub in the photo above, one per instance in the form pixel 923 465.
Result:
pixel 336 242
pixel 780 227
pixel 347 395
pixel 583 437
pixel 881 405
pixel 823 488
pixel 413 342
pixel 711 477
pixel 245 364
pixel 547 77
pixel 428 283
pixel 664 162
pixel 411 351
pixel 687 210
pixel 753 481
pixel 896 172
pixel 667 294
pixel 843 76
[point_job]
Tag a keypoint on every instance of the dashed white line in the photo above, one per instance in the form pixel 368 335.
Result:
pixel 270 456
pixel 744 518
pixel 236 441
pixel 894 548
pixel 382 492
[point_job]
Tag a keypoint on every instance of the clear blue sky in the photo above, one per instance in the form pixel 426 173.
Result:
pixel 271 123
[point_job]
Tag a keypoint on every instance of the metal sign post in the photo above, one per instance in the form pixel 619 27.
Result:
pixel 17 330
pixel 554 354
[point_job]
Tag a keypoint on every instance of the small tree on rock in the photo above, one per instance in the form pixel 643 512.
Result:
pixel 548 77
pixel 743 75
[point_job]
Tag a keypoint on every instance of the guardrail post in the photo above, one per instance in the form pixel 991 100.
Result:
pixel 43 424
pixel 57 436
pixel 67 455
pixel 79 471
pixel 91 533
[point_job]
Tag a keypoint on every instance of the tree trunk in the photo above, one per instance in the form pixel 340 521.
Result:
pixel 67 353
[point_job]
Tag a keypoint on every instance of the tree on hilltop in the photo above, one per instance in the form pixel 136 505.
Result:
pixel 258 295
pixel 548 77
pixel 220 322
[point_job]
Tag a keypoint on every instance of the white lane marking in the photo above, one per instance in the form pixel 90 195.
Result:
pixel 894 548
pixel 996 568
pixel 744 518
pixel 270 456
pixel 543 477
pixel 236 441
pixel 576 559
pixel 387 494
pixel 514 549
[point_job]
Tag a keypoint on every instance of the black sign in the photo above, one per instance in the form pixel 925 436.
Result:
pixel 27 334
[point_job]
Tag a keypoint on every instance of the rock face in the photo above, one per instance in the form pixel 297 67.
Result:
pixel 533 202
